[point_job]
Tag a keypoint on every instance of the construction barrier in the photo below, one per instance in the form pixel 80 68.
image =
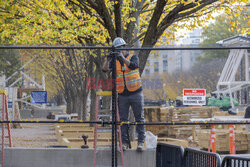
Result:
pixel 235 161
pixel 175 156
pixel 232 139
pixel 198 158
pixel 212 139
pixel 169 155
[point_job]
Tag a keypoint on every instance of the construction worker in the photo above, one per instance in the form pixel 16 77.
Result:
pixel 129 88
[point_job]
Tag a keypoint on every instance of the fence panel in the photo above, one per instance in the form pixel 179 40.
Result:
pixel 235 161
pixel 168 155
pixel 198 158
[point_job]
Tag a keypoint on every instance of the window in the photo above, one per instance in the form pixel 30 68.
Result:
pixel 165 65
pixel 197 40
pixel 165 56
pixel 156 66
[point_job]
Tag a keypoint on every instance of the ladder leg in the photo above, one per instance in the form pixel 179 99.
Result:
pixel 119 135
pixel 7 118
pixel 95 130
pixel 96 127
pixel 3 109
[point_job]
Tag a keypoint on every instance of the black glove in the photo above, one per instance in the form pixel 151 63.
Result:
pixel 120 56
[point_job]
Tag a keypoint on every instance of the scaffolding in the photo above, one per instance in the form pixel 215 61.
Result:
pixel 234 79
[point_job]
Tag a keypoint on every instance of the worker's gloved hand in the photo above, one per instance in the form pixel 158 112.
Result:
pixel 120 56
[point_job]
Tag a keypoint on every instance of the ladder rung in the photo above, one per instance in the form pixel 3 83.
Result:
pixel 103 148
pixel 104 145
pixel 104 130
pixel 104 115
pixel 100 113
pixel 104 93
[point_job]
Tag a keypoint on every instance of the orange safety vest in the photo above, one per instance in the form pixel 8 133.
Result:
pixel 132 77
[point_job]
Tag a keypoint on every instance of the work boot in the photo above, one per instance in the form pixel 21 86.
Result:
pixel 140 147
pixel 124 146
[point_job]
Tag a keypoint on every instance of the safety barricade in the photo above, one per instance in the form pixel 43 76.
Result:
pixel 198 158
pixel 232 139
pixel 235 161
pixel 169 155
pixel 212 140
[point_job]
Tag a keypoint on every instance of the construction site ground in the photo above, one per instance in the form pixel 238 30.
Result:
pixel 42 135
pixel 34 135
pixel 35 140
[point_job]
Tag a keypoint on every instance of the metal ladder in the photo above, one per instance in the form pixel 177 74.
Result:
pixel 5 117
pixel 101 94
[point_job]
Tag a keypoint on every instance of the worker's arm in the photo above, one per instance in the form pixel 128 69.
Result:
pixel 105 66
pixel 127 62
pixel 123 59
pixel 133 63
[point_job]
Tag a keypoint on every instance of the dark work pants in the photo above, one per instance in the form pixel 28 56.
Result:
pixel 136 101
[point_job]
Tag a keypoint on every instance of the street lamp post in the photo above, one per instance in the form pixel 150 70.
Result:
pixel 164 92
pixel 178 82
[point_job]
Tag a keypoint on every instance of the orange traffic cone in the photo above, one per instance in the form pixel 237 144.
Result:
pixel 231 139
pixel 213 138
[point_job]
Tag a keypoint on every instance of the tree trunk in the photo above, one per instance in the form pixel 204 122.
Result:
pixel 68 98
pixel 78 104
pixel 84 106
pixel 68 106
pixel 59 98
pixel 92 104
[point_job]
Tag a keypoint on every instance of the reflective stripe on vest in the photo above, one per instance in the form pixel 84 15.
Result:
pixel 132 78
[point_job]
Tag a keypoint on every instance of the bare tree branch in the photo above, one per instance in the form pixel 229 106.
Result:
pixel 203 4
pixel 103 12
pixel 132 24
pixel 150 36
pixel 118 18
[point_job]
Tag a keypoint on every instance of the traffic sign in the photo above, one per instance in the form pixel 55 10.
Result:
pixel 194 96
pixel 38 97
pixel 9 104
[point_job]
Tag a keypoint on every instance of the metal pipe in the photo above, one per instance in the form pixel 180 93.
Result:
pixel 114 110
pixel 127 48
pixel 241 122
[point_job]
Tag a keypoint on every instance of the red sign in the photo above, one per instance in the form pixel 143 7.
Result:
pixel 194 92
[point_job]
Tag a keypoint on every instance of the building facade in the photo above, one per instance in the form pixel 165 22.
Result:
pixel 175 60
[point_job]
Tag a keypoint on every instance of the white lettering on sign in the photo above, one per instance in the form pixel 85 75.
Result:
pixel 194 96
